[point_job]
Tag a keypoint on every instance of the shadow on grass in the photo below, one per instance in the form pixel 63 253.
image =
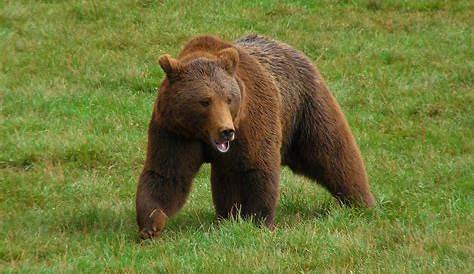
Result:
pixel 95 220
pixel 292 212
pixel 112 223
pixel 202 219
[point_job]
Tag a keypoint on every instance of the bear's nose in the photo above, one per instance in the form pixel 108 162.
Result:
pixel 228 134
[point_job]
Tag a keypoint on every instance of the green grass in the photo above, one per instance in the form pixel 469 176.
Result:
pixel 77 84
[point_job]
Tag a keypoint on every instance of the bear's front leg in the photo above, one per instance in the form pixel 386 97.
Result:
pixel 260 195
pixel 226 192
pixel 165 182
pixel 251 193
pixel 157 197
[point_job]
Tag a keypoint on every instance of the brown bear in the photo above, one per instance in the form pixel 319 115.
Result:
pixel 247 108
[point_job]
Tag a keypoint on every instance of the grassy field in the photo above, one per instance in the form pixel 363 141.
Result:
pixel 77 84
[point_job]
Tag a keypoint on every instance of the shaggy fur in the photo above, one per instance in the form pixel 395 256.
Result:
pixel 277 105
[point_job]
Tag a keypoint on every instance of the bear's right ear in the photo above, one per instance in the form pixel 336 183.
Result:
pixel 170 66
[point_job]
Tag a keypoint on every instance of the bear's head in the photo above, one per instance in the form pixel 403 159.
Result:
pixel 201 97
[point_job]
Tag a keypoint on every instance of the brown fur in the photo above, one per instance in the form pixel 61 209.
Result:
pixel 282 113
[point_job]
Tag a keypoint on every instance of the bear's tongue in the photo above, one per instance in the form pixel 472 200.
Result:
pixel 223 147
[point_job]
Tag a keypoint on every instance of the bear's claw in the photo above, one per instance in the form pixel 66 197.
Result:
pixel 155 226
pixel 149 233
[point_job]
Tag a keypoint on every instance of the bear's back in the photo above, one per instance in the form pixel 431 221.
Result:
pixel 292 72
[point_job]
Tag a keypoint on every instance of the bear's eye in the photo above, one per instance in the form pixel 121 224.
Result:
pixel 205 102
pixel 229 100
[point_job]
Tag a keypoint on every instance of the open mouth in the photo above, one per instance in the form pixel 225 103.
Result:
pixel 222 146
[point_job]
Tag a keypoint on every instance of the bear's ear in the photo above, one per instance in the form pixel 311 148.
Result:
pixel 170 66
pixel 229 59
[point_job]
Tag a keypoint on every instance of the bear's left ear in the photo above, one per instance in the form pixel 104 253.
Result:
pixel 228 59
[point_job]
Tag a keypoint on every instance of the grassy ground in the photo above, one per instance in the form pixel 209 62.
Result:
pixel 77 83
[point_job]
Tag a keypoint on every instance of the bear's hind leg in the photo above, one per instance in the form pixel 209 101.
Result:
pixel 325 150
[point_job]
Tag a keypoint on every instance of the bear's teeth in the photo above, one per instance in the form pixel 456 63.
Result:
pixel 223 147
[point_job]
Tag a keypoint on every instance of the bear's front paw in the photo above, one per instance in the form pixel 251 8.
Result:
pixel 154 225
pixel 148 233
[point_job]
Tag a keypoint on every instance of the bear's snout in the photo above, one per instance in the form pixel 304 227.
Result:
pixel 227 134
pixel 224 136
